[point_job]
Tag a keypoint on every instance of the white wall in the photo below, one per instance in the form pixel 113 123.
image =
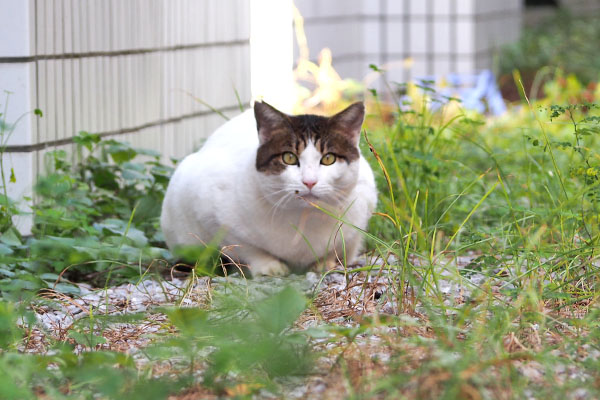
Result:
pixel 121 69
pixel 271 52
pixel 440 36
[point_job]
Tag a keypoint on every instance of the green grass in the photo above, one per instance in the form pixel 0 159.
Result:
pixel 511 201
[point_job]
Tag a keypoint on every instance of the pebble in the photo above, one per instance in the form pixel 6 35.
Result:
pixel 73 310
pixel 299 392
pixel 131 298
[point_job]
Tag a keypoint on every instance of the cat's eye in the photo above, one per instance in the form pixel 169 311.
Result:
pixel 328 159
pixel 289 158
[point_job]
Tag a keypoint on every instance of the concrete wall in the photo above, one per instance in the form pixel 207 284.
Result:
pixel 440 36
pixel 122 69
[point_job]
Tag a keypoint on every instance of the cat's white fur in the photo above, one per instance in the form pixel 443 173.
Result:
pixel 267 220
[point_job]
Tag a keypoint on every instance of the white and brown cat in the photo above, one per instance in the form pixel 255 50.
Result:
pixel 256 180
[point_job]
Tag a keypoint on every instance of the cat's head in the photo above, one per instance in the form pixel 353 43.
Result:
pixel 307 157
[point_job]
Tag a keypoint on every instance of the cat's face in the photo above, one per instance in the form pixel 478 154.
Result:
pixel 307 157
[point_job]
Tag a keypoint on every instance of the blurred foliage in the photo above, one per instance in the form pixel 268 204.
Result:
pixel 250 339
pixel 236 343
pixel 564 41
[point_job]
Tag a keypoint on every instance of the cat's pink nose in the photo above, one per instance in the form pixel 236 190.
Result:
pixel 309 183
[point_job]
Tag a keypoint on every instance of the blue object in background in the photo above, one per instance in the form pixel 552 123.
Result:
pixel 477 92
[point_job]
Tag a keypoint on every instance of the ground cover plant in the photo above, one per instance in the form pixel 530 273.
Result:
pixel 480 281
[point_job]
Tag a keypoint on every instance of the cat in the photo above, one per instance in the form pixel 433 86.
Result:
pixel 257 180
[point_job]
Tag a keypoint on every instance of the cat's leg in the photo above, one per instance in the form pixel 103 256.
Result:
pixel 259 262
pixel 346 252
pixel 353 249
pixel 333 260
pixel 352 245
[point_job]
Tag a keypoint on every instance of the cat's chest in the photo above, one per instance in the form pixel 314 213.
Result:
pixel 292 234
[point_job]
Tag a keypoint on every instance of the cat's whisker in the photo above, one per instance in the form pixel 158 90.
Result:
pixel 337 195
pixel 270 194
pixel 290 197
pixel 277 205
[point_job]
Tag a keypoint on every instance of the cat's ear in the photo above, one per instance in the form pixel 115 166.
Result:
pixel 349 121
pixel 269 120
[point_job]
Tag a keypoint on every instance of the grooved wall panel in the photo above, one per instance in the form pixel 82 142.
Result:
pixel 126 69
pixel 438 36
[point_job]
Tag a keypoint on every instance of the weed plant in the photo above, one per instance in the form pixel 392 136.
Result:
pixel 513 200
pixel 96 219
pixel 455 185
pixel 518 196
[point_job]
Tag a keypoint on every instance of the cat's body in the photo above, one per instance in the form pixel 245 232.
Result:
pixel 239 185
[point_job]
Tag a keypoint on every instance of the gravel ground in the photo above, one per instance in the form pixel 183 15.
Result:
pixel 338 297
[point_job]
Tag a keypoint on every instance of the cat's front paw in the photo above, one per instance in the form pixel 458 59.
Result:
pixel 271 267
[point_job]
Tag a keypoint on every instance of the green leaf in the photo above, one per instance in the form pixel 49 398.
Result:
pixel 279 312
pixel 67 288
pixel 121 152
pixel 161 173
pixel 318 332
pixel 190 321
pixel 119 227
pixel 48 276
pixel 38 112
pixel 588 131
pixel 86 339
pixel 13 178
pixel 148 207
pixel 132 175
pixel 374 67
pixel 105 179
pixel 11 238
pixel 9 333
pixel 88 140
pixel 24 282
pixel 5 250
pixel 149 152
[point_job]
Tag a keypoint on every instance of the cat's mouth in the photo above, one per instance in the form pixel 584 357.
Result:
pixel 308 196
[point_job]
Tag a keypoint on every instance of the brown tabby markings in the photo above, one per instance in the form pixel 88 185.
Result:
pixel 293 133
